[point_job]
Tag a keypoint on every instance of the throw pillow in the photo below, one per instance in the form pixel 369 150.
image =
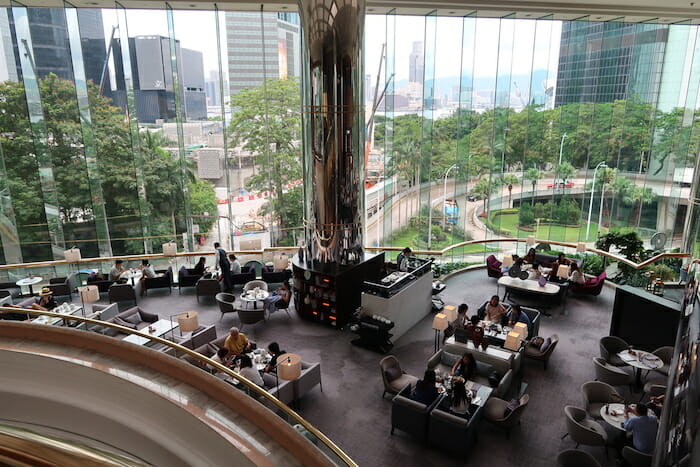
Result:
pixel 545 345
pixel 449 359
pixel 126 324
pixel 483 369
pixel 134 318
pixel 92 276
pixel 184 272
pixel 392 373
pixel 512 405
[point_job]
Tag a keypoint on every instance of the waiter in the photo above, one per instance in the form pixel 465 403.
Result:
pixel 402 259
pixel 223 264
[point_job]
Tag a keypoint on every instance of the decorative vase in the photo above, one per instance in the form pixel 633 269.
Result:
pixel 484 343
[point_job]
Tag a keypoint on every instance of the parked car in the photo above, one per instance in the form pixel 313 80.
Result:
pixel 561 184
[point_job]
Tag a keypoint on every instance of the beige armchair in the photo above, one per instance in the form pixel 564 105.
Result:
pixel 584 430
pixel 666 355
pixel 495 409
pixel 610 346
pixel 636 458
pixel 610 374
pixel 309 378
pixel 262 285
pixel 533 351
pixel 596 394
pixel 576 458
pixel 393 376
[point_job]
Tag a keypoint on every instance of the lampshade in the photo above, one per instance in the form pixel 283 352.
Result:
pixel 451 312
pixel 72 255
pixel 89 293
pixel 440 322
pixel 521 329
pixel 289 366
pixel 563 271
pixel 530 240
pixel 512 341
pixel 507 261
pixel 188 321
pixel 280 262
pixel 581 247
pixel 169 249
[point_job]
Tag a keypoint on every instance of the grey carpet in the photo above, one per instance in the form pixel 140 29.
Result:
pixel 351 411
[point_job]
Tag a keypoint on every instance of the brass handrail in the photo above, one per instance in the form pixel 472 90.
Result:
pixel 249 384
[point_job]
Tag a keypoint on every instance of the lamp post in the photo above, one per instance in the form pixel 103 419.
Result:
pixel 590 206
pixel 561 147
pixel 444 197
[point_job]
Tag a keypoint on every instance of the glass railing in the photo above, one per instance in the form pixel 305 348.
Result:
pixel 87 324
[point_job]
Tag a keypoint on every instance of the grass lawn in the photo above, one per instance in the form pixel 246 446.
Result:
pixel 550 232
pixel 408 237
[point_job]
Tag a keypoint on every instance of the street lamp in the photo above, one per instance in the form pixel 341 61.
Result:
pixel 444 196
pixel 590 206
pixel 561 147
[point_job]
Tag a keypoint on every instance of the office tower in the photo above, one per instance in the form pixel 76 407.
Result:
pixel 603 62
pixel 8 69
pixel 415 63
pixel 212 89
pixel 152 71
pixel 248 66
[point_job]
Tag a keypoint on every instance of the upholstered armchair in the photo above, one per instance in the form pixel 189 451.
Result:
pixel 666 355
pixel 596 394
pixel 610 346
pixel 187 278
pixel 592 286
pixel 576 458
pixel 13 289
pixel 636 458
pixel 60 287
pixel 161 282
pixel 393 376
pixel 250 316
pixel 227 303
pixel 244 277
pixel 582 429
pixel 533 351
pixel 493 267
pixel 208 288
pixel 262 285
pixel 610 374
pixel 121 293
pixel 409 415
pixel 495 412
pixel 453 433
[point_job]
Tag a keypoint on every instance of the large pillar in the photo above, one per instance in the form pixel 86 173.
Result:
pixel 333 129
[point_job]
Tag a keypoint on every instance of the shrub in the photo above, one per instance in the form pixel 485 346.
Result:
pixel 527 216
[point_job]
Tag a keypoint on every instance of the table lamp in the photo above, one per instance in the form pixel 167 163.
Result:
pixel 88 294
pixel 280 262
pixel 530 240
pixel 288 367
pixel 439 324
pixel 451 312
pixel 170 249
pixel 580 247
pixel 521 329
pixel 507 261
pixel 563 271
pixel 72 255
pixel 512 341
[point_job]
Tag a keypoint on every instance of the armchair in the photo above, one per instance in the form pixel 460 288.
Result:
pixel 103 285
pixel 187 278
pixel 451 432
pixel 533 351
pixel 226 303
pixel 610 374
pixel 14 290
pixel 610 346
pixel 495 412
pixel 411 416
pixel 134 318
pixel 276 277
pixel 576 458
pixel 244 277
pixel 309 378
pixel 393 376
pixel 592 286
pixel 636 458
pixel 60 287
pixel 208 288
pixel 582 429
pixel 255 283
pixel 596 394
pixel 493 267
pixel 250 316
pixel 162 282
pixel 666 355
pixel 121 293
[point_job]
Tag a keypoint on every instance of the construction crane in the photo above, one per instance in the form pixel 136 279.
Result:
pixel 370 181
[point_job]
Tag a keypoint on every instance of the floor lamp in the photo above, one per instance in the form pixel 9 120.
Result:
pixel 288 368
pixel 439 324
pixel 187 321
pixel 88 294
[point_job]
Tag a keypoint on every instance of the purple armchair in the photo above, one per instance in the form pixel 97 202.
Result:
pixel 592 286
pixel 493 267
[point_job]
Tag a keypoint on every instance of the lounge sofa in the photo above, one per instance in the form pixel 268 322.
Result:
pixel 548 261
pixel 592 286
pixel 134 318
pixel 411 416
pixel 453 433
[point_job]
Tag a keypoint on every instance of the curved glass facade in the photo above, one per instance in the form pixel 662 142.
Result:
pixel 123 129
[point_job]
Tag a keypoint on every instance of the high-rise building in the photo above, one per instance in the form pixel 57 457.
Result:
pixel 212 89
pixel 261 47
pixel 154 94
pixel 602 62
pixel 415 63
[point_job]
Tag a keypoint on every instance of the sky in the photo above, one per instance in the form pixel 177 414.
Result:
pixel 536 47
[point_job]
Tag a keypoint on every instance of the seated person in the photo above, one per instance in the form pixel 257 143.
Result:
pixel 494 310
pixel 516 315
pixel 274 349
pixel 459 323
pixel 235 264
pixel 465 367
pixel 223 357
pixel 279 299
pixel 516 260
pixel 459 402
pixel 201 267
pixel 425 390
pixel 656 404
pixel 249 372
pixel 147 273
pixel 530 257
pixel 642 426
pixel 473 326
pixel 575 274
pixel 45 301
pixel 117 270
pixel 402 259
pixel 237 342
pixel 561 259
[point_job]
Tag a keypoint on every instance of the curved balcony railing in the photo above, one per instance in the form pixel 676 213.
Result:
pixel 327 448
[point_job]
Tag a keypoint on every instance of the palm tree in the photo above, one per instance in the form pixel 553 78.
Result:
pixel 639 196
pixel 564 171
pixel 405 161
pixel 533 174
pixel 509 180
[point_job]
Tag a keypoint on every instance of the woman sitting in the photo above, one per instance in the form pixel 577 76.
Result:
pixel 249 372
pixel 45 302
pixel 459 402
pixel 494 310
pixel 465 367
pixel 575 274
pixel 425 390
pixel 530 257
pixel 200 267
pixel 279 299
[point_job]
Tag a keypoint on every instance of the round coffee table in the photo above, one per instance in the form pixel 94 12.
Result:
pixel 618 418
pixel 251 296
pixel 640 360
pixel 29 281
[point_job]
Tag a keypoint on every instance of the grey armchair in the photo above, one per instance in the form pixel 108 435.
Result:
pixel 666 355
pixel 610 374
pixel 411 416
pixel 207 288
pixel 576 458
pixel 610 346
pixel 533 351
pixel 121 293
pixel 60 287
pixel 226 303
pixel 253 284
pixel 495 409
pixel 309 378
pixel 284 392
pixel 161 282
pixel 14 290
pixel 636 458
pixel 250 316
pixel 596 394
pixel 534 316
pixel 584 430
pixel 393 376
pixel 453 433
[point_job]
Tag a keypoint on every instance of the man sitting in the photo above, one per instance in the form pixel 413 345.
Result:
pixel 237 343
pixel 516 315
pixel 642 426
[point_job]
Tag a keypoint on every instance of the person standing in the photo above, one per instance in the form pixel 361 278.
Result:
pixel 223 264
pixel 402 259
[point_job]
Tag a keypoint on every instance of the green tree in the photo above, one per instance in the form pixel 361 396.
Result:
pixel 406 160
pixel 483 189
pixel 564 171
pixel 639 196
pixel 268 124
pixel 509 180
pixel 533 174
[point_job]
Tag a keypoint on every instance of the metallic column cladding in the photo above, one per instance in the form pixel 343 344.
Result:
pixel 333 128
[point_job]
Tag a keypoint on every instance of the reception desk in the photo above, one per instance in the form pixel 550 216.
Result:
pixel 404 306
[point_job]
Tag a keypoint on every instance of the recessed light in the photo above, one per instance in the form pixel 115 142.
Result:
pixel 370 9
pixel 192 5
pixel 451 12
pixel 284 7
pixel 527 15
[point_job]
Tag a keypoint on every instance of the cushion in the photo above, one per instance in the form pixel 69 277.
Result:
pixel 126 324
pixel 494 379
pixel 545 345
pixel 134 318
pixel 512 405
pixel 392 373
pixel 184 272
pixel 449 359
pixel 484 369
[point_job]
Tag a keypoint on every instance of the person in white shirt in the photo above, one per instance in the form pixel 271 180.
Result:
pixel 235 265
pixel 147 273
pixel 222 356
pixel 249 372
pixel 575 274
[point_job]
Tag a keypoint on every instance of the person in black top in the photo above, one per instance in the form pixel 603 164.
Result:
pixel 274 349
pixel 223 264
pixel 200 267
pixel 425 390
pixel 46 302
pixel 465 367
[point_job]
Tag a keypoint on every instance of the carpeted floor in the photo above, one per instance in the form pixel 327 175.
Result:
pixel 351 411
